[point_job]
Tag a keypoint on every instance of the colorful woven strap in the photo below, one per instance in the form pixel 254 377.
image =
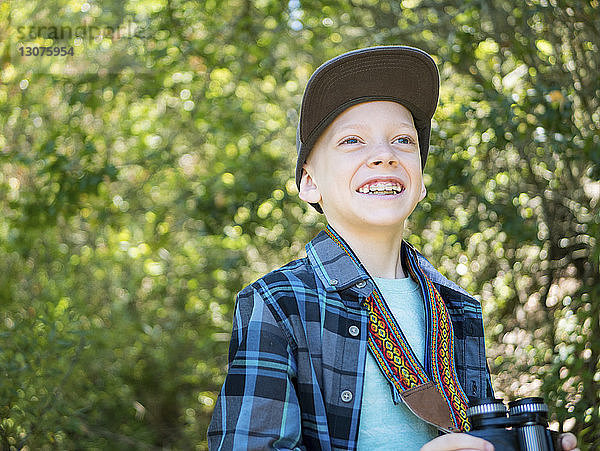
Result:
pixel 393 353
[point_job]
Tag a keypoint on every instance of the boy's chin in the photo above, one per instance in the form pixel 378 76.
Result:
pixel 371 220
pixel 372 214
pixel 385 215
pixel 382 221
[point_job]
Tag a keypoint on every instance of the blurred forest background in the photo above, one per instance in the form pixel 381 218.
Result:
pixel 147 178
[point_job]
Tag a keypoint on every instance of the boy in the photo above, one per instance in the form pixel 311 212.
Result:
pixel 362 344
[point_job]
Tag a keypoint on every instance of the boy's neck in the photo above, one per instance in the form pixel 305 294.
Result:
pixel 377 249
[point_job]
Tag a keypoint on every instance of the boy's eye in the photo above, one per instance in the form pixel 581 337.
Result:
pixel 404 140
pixel 350 140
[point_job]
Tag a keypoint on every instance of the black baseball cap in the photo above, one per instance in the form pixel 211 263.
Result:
pixel 397 73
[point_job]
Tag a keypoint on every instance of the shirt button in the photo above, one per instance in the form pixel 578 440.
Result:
pixel 361 284
pixel 346 396
pixel 354 331
pixel 334 282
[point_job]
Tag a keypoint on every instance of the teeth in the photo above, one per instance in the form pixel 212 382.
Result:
pixel 382 188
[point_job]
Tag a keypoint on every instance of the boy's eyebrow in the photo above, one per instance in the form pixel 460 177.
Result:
pixel 359 125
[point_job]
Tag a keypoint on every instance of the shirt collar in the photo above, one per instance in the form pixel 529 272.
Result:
pixel 339 270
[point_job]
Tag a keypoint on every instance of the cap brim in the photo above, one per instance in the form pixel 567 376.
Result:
pixel 403 74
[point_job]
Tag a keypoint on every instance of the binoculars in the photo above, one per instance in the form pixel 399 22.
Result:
pixel 521 427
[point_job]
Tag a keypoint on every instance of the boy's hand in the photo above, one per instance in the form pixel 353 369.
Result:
pixel 466 442
pixel 456 442
pixel 568 442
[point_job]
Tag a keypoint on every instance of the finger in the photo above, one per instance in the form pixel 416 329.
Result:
pixel 455 442
pixel 568 441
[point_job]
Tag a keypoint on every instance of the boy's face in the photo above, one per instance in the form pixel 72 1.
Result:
pixel 365 169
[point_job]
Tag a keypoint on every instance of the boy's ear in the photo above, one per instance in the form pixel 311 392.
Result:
pixel 309 192
pixel 423 191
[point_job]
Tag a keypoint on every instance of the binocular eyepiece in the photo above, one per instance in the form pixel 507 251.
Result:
pixel 521 427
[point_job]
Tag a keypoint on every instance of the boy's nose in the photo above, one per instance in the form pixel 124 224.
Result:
pixel 383 156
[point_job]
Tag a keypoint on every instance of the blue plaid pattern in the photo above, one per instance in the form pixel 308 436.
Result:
pixel 298 349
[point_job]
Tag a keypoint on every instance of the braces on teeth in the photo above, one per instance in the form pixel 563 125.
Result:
pixel 387 188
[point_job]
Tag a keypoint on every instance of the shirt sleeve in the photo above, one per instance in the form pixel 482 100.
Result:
pixel 258 405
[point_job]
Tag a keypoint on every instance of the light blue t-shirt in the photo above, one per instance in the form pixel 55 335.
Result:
pixel 383 424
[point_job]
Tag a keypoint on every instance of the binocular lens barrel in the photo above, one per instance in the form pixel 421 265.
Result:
pixel 485 412
pixel 528 405
pixel 533 413
pixel 533 438
pixel 523 427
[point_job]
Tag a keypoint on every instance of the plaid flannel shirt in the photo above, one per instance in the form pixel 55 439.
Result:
pixel 298 349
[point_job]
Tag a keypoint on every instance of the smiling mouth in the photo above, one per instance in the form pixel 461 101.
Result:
pixel 381 188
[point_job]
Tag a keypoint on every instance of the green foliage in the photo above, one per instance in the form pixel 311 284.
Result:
pixel 149 177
